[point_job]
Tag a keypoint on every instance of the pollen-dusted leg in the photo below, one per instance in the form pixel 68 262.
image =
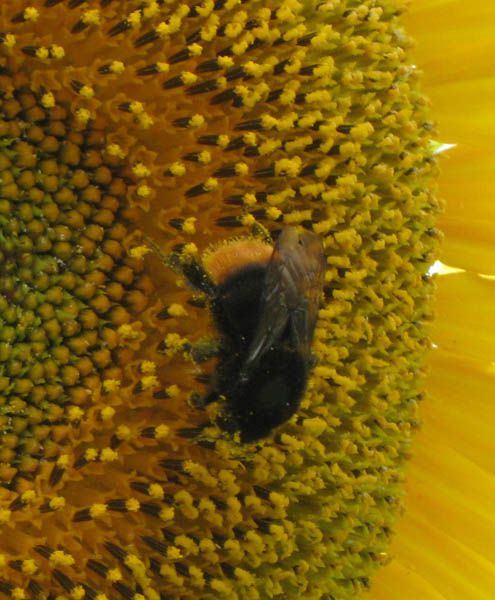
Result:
pixel 187 265
pixel 202 350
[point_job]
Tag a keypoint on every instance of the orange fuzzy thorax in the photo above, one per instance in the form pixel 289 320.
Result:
pixel 226 259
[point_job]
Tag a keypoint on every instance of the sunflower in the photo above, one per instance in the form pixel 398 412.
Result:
pixel 444 542
pixel 131 126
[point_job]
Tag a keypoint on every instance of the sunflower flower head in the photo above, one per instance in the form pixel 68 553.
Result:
pixel 190 123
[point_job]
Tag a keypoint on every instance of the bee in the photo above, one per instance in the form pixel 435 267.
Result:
pixel 264 303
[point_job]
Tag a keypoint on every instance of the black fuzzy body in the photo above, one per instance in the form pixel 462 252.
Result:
pixel 274 388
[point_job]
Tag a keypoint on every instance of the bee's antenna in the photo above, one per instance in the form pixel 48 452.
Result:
pixel 156 248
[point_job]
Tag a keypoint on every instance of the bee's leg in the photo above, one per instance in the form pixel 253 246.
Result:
pixel 202 350
pixel 187 265
pixel 196 275
pixel 313 361
pixel 198 401
pixel 260 231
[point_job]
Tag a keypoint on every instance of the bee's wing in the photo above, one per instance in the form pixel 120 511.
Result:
pixel 291 293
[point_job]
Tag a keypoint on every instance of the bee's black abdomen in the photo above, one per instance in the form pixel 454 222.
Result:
pixel 271 395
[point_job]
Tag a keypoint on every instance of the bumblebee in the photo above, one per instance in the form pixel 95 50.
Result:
pixel 264 303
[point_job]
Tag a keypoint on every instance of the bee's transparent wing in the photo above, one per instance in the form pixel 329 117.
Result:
pixel 291 292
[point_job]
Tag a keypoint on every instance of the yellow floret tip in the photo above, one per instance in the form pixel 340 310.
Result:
pixel 78 592
pixel 97 510
pixel 177 310
pixel 211 184
pixel 147 366
pixel 126 331
pixel 155 490
pixel 75 413
pixel 189 226
pixel 114 575
pixel 167 513
pixel 57 51
pixel 83 115
pixel 143 191
pixel 134 19
pixel 196 121
pixel 48 100
pixel 10 40
pixel 162 432
pixel 117 67
pixel 173 391
pixel 58 558
pixel 91 454
pixel 42 52
pixel 91 17
pixel 123 432
pixel 28 496
pixel 107 413
pixel 141 170
pixel 57 502
pixel 139 251
pixel 132 505
pixel 31 13
pixel 108 455
pixel 178 169
pixel 111 385
pixel 29 567
pixel 115 150
pixel 149 382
